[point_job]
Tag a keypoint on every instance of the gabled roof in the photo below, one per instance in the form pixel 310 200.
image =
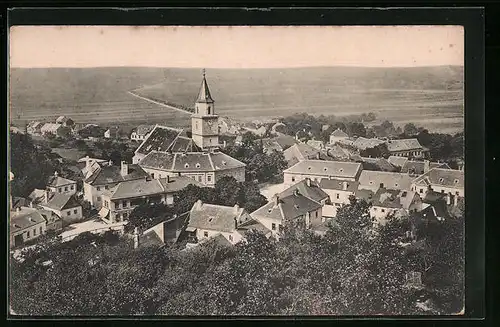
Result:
pixel 338 152
pixel 18 202
pixel 326 168
pixel 397 161
pixel 312 191
pixel 377 164
pixel 204 95
pixel 317 144
pixel 37 195
pixel 395 181
pixel 337 184
pixel 144 129
pixel 50 127
pixel 442 177
pixel 301 151
pixel 161 138
pixel 146 187
pixel 61 201
pixel 252 224
pixel 288 207
pixel 49 216
pixel 271 144
pixel 150 239
pixel 25 218
pixel 393 198
pixel 363 143
pixel 112 174
pixel 189 161
pixel 339 133
pixel 56 181
pixel 183 144
pixel 403 145
pixel 216 217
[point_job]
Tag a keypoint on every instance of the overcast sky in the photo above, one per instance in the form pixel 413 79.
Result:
pixel 235 47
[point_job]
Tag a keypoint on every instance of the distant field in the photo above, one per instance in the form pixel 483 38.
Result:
pixel 430 96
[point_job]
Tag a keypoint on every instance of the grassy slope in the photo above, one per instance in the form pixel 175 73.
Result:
pixel 430 95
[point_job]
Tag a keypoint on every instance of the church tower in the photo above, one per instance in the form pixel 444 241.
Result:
pixel 204 122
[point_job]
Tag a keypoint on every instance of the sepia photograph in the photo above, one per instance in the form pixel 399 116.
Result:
pixel 236 170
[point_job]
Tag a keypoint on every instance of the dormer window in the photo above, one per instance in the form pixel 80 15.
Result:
pixel 210 219
pixel 341 170
pixel 224 163
pixel 186 165
pixel 325 169
pixel 441 180
pixel 456 181
pixel 198 165
pixel 396 184
pixel 371 182
pixel 309 168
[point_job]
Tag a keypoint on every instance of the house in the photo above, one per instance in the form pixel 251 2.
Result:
pixel 53 221
pixel 318 169
pixel 26 224
pixel 86 162
pixel 317 144
pixel 112 133
pixel 90 131
pixel 141 132
pixel 373 180
pixel 338 135
pixel 338 191
pixel 227 126
pixel 205 167
pixel 435 208
pixel 60 185
pixel 34 128
pixel 101 177
pixel 309 189
pixel 271 145
pixel 336 152
pixel 209 220
pixel 362 143
pixel 65 121
pixel 54 129
pixel 279 143
pixel 417 168
pixel 397 202
pixel 163 138
pixel 375 164
pixel 441 180
pixel 255 129
pixel 397 161
pixel 299 152
pixel 64 205
pixel 119 201
pixel 295 209
pixel 406 148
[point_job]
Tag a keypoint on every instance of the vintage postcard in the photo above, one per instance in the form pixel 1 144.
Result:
pixel 243 170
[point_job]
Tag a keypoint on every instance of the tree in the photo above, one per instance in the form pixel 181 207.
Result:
pixel 148 215
pixel 410 129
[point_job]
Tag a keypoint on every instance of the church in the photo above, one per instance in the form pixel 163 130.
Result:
pixel 169 152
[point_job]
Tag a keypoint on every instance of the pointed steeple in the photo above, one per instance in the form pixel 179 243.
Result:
pixel 204 95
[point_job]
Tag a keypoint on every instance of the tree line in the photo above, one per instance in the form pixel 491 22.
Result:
pixel 355 269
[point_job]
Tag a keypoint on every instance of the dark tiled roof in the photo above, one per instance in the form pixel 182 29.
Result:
pixel 196 161
pixel 150 239
pixel 403 145
pixel 56 181
pixel 397 161
pixel 158 160
pixel 377 164
pixel 204 95
pixel 147 187
pixel 60 201
pixel 25 218
pixel 215 217
pixel 18 202
pixel 177 183
pixel 431 197
pixel 182 144
pixel 363 143
pixel 111 174
pixel 393 198
pixel 313 191
pixel 160 139
pixel 222 161
pixel 366 195
pixel 339 133
pixel 252 224
pixel 443 177
pixel 220 240
pixel 396 181
pixel 190 161
pixel 337 184
pixel 49 216
pixel 326 168
pixel 289 207
pixel 301 151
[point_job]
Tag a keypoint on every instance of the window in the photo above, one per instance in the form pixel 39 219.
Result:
pixel 60 189
pixel 381 185
pixel 68 213
pixel 441 180
pixel 273 226
pixel 209 178
pixel 125 215
pixel 152 175
pixel 34 232
pixel 40 229
pixel 65 189
pixel 72 187
pixel 316 214
pixel 125 204
pixel 118 204
pixel 396 184
pixel 198 165
pixel 98 188
pixel 442 191
pixel 457 193
pixel 105 187
pixel 338 196
pixel 374 209
pixel 75 211
pixel 383 210
pixel 421 190
pixel 186 165
pixel 293 179
pixel 231 238
pixel 28 234
pixel 205 234
pixel 98 199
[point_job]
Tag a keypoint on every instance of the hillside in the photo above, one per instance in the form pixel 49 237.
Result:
pixel 430 96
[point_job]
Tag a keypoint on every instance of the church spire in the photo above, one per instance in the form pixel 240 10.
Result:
pixel 204 95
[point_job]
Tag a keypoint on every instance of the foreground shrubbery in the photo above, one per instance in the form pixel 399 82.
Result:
pixel 350 271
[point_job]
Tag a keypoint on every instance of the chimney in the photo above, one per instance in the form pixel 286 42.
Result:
pixel 124 168
pixel 110 162
pixel 308 181
pixel 426 166
pixel 225 144
pixel 236 208
pixel 296 192
pixel 47 196
pixel 448 199
pixel 235 223
pixel 56 173
pixel 136 238
pixel 87 163
pixel 455 200
pixel 318 155
pixel 168 179
pixel 308 220
pixel 18 209
pixel 199 204
pixel 344 185
pixel 276 199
